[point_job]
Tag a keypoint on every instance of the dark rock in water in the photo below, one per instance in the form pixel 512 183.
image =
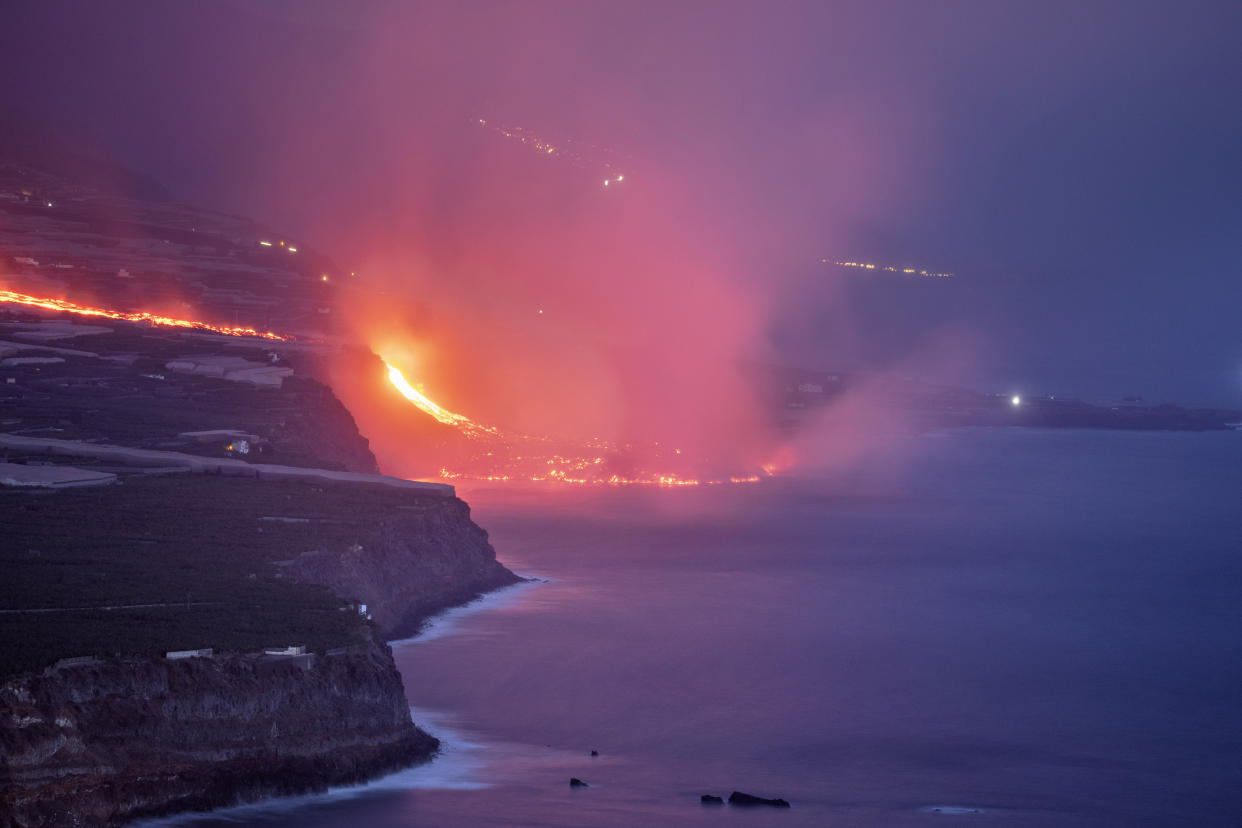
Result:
pixel 708 799
pixel 739 798
pixel 595 753
pixel 575 782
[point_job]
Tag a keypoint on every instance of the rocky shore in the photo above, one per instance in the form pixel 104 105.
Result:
pixel 105 742
pixel 413 564
pixel 100 739
pixel 240 514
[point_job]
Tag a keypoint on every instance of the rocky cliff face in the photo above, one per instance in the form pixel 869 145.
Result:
pixel 101 743
pixel 320 431
pixel 422 557
pixel 105 742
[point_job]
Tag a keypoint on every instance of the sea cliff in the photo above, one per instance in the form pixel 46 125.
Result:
pixel 241 515
pixel 107 741
pixel 232 564
pixel 421 558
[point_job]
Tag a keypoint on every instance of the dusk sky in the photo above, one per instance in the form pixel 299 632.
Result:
pixel 620 412
pixel 1075 165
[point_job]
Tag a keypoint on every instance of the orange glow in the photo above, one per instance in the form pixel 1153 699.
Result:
pixel 137 316
pixel 522 457
pixel 467 425
pixel 532 459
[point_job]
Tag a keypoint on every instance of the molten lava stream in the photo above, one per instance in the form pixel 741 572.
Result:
pixel 467 425
pixel 503 456
pixel 138 316
pixel 518 457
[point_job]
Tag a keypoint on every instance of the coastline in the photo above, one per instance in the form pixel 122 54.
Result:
pixel 109 741
pixel 262 777
pixel 448 767
pixel 403 778
pixel 444 623
pixel 103 738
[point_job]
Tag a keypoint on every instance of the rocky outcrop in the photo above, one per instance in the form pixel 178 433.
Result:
pixel 322 429
pixel 102 743
pixel 415 562
pixel 739 798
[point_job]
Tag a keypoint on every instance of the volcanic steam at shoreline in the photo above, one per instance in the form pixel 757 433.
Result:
pixel 493 455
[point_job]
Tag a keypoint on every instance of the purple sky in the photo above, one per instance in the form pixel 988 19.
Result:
pixel 1075 164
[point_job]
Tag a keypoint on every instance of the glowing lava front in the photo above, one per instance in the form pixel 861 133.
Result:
pixel 138 316
pixel 508 456
pixel 501 456
pixel 467 425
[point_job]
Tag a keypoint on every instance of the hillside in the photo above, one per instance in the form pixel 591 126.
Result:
pixel 201 561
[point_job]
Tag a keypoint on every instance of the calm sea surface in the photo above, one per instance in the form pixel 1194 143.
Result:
pixel 1020 628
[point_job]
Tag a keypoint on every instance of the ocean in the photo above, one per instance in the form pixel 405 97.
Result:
pixel 1012 627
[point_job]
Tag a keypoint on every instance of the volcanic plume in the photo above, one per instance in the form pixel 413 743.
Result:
pixel 579 233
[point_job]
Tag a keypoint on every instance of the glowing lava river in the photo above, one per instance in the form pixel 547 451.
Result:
pixel 139 316
pixel 520 457
pixel 500 456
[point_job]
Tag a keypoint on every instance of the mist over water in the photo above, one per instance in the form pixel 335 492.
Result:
pixel 1036 625
pixel 601 231
pixel 451 159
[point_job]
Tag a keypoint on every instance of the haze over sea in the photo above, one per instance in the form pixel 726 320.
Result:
pixel 1040 625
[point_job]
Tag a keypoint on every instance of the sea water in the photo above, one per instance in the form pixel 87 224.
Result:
pixel 1009 627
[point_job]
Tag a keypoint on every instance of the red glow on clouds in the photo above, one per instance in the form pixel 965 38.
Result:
pixel 522 293
pixel 512 288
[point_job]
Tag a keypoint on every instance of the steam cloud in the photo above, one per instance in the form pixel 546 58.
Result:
pixel 511 284
pixel 521 292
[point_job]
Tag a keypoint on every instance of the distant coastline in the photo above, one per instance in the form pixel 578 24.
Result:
pixel 934 406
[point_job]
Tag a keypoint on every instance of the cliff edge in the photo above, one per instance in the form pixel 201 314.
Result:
pixel 109 579
pixel 104 742
pixel 421 558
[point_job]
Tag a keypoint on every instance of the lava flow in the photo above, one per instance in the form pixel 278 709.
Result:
pixel 507 457
pixel 460 421
pixel 501 456
pixel 137 316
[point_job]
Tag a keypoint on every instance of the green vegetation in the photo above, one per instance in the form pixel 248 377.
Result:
pixel 202 547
